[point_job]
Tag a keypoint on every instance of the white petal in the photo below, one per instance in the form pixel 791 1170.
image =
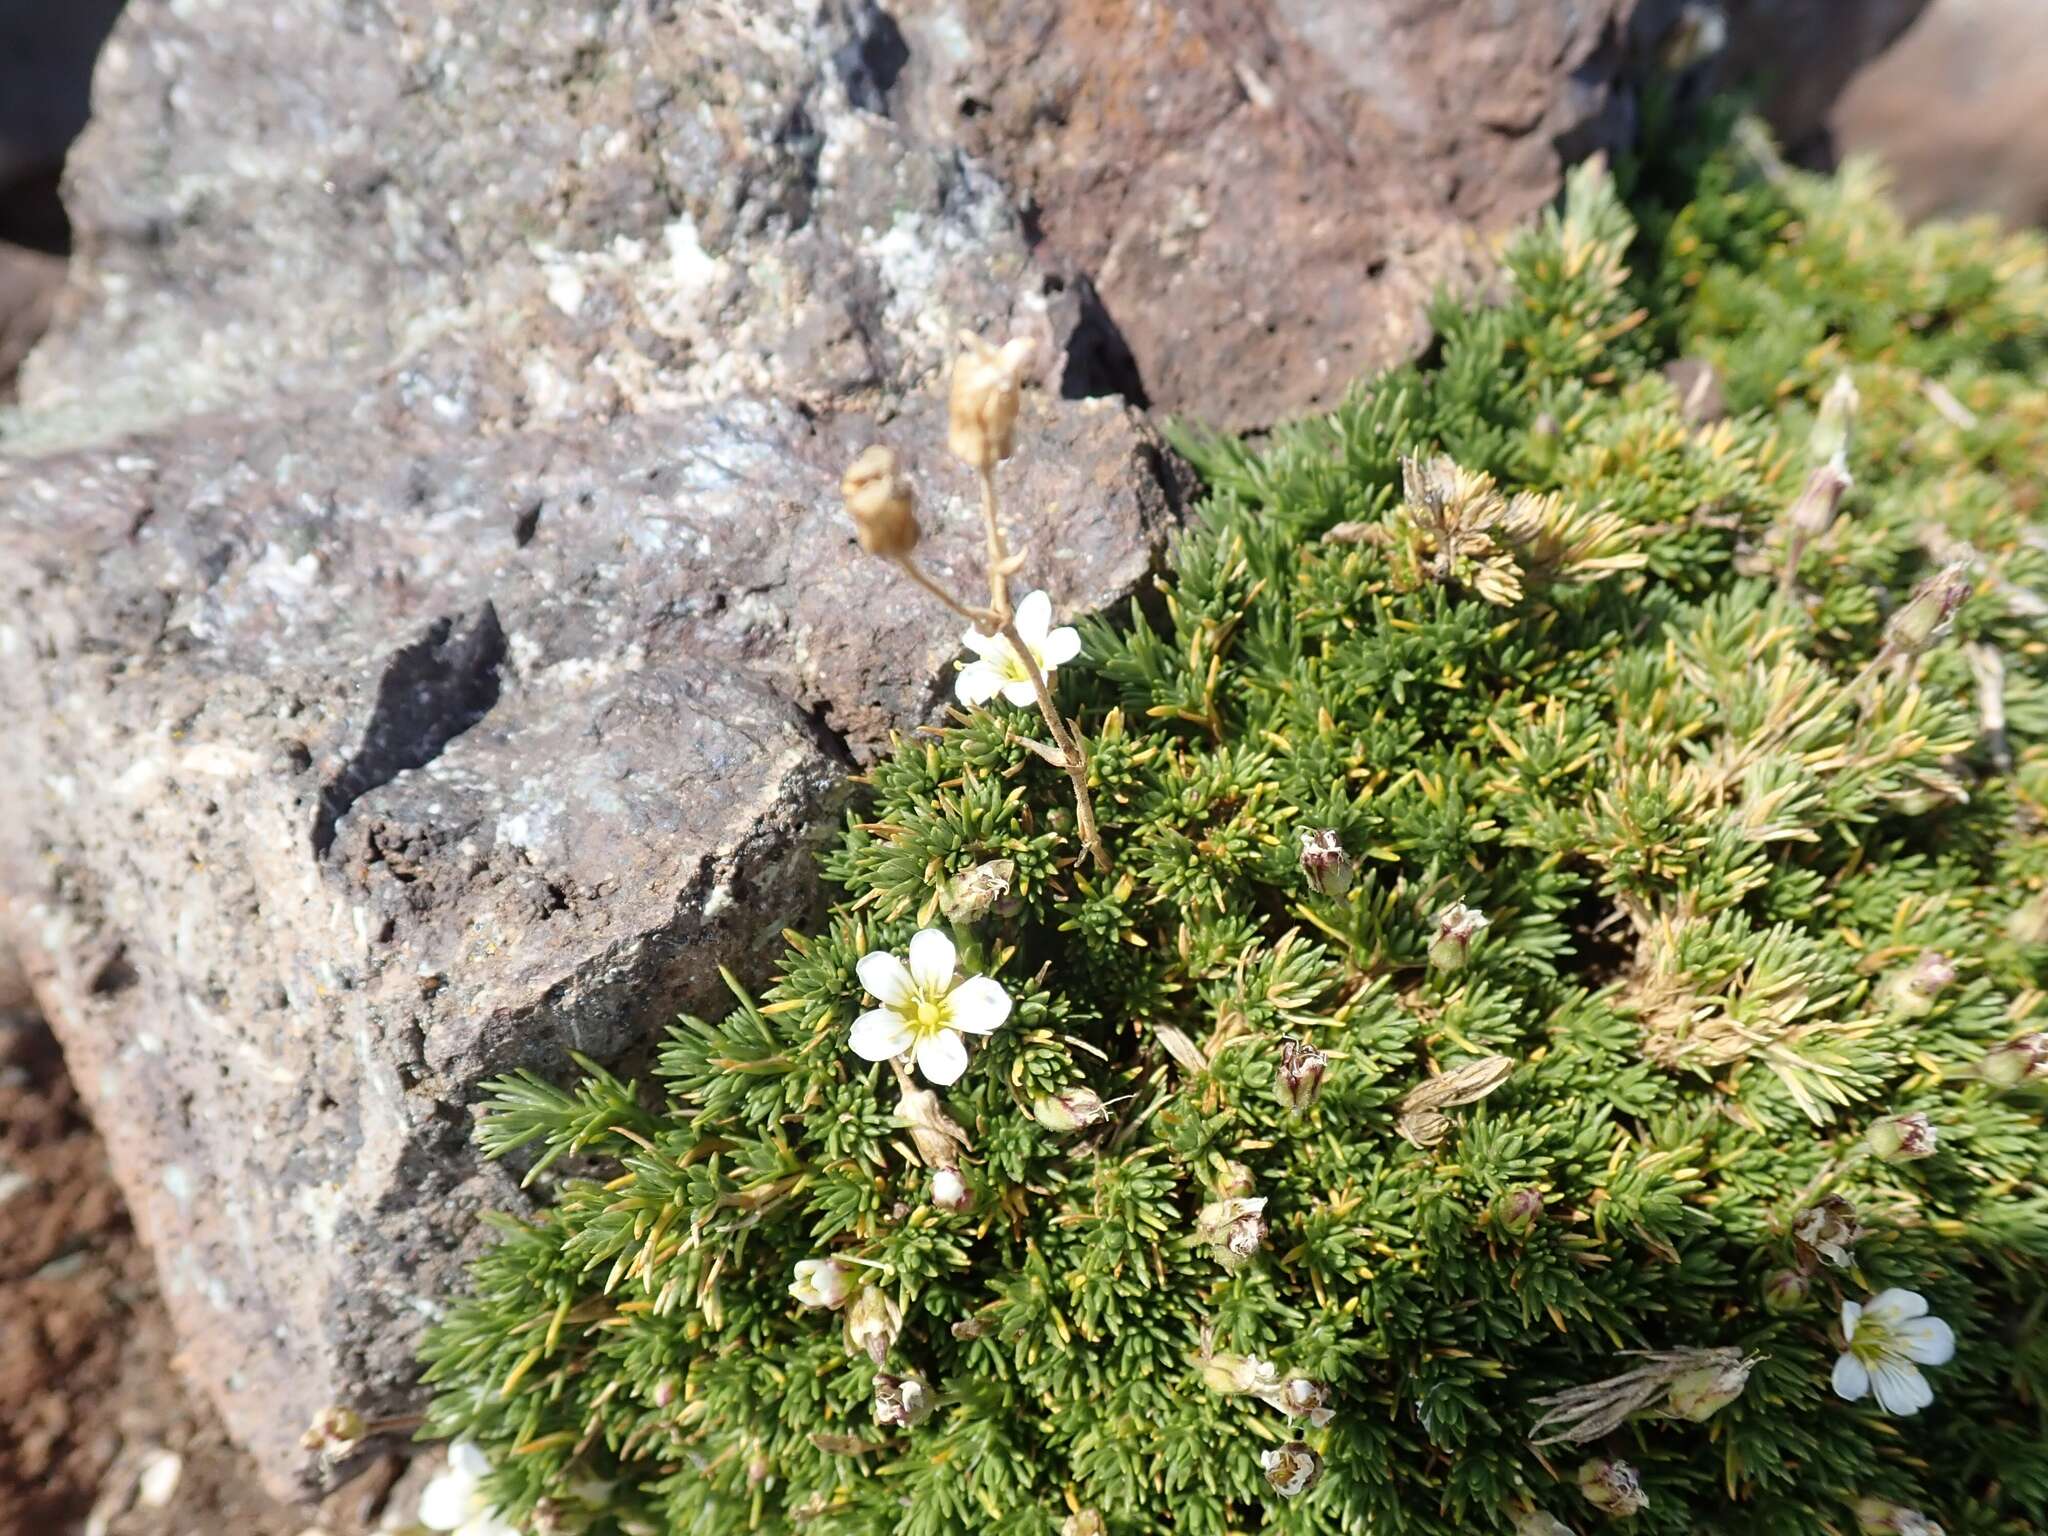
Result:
pixel 879 1034
pixel 942 1057
pixel 883 975
pixel 1895 1306
pixel 1899 1387
pixel 994 647
pixel 488 1524
pixel 931 961
pixel 1927 1340
pixel 1021 693
pixel 977 683
pixel 468 1458
pixel 1851 1380
pixel 978 1005
pixel 1852 1313
pixel 1061 647
pixel 1034 618
pixel 447 1501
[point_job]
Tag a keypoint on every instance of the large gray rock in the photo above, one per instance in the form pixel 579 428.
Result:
pixel 428 634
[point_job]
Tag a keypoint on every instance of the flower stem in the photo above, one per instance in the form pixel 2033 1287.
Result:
pixel 979 618
pixel 1070 746
pixel 998 549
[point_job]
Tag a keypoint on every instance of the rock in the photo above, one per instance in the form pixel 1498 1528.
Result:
pixel 431 639
pixel 1267 193
pixel 360 761
pixel 29 281
pixel 1957 109
pixel 1798 56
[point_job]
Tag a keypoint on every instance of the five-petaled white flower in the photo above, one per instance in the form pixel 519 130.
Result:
pixel 997 668
pixel 1890 1337
pixel 454 1499
pixel 822 1283
pixel 924 1009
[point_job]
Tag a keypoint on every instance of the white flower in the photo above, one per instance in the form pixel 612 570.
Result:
pixel 821 1283
pixel 924 1009
pixel 998 668
pixel 1890 1336
pixel 455 1499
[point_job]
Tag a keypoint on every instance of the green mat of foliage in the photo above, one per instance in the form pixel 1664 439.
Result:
pixel 1760 857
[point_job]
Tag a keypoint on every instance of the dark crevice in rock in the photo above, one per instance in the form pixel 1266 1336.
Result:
pixel 431 692
pixel 525 523
pixel 831 741
pixel 870 60
pixel 1099 360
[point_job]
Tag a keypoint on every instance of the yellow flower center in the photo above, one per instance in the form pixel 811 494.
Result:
pixel 928 1015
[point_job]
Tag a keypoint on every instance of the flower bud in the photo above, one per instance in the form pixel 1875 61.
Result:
pixel 1084 1522
pixel 1324 864
pixel 1232 1229
pixel 1456 927
pixel 1074 1110
pixel 950 1191
pixel 973 893
pixel 334 1431
pixel 1612 1487
pixel 1910 993
pixel 872 1323
pixel 1881 1517
pixel 879 500
pixel 822 1283
pixel 1299 1082
pixel 982 404
pixel 1538 1522
pixel 1518 1211
pixel 2015 1061
pixel 1291 1469
pixel 1785 1290
pixel 1829 1231
pixel 1706 1389
pixel 1930 611
pixel 1237 1375
pixel 1902 1138
pixel 901 1402
pixel 970 1328
pixel 1814 511
pixel 1835 422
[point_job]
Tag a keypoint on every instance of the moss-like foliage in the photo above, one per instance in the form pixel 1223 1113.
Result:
pixel 1761 858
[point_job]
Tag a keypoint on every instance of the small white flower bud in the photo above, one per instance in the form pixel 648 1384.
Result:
pixel 1074 1110
pixel 1324 864
pixel 1291 1469
pixel 1235 1182
pixel 879 500
pixel 1518 1211
pixel 1232 1229
pixel 983 400
pixel 1456 927
pixel 1612 1487
pixel 937 1136
pixel 950 1191
pixel 901 1402
pixel 1299 1082
pixel 1902 1138
pixel 822 1283
pixel 1084 1522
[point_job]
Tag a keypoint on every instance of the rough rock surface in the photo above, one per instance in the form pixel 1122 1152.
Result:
pixel 1957 109
pixel 427 624
pixel 1266 193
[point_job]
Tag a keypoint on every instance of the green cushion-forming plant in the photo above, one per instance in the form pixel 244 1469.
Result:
pixel 1289 1194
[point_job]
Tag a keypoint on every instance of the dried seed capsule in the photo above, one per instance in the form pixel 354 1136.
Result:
pixel 879 500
